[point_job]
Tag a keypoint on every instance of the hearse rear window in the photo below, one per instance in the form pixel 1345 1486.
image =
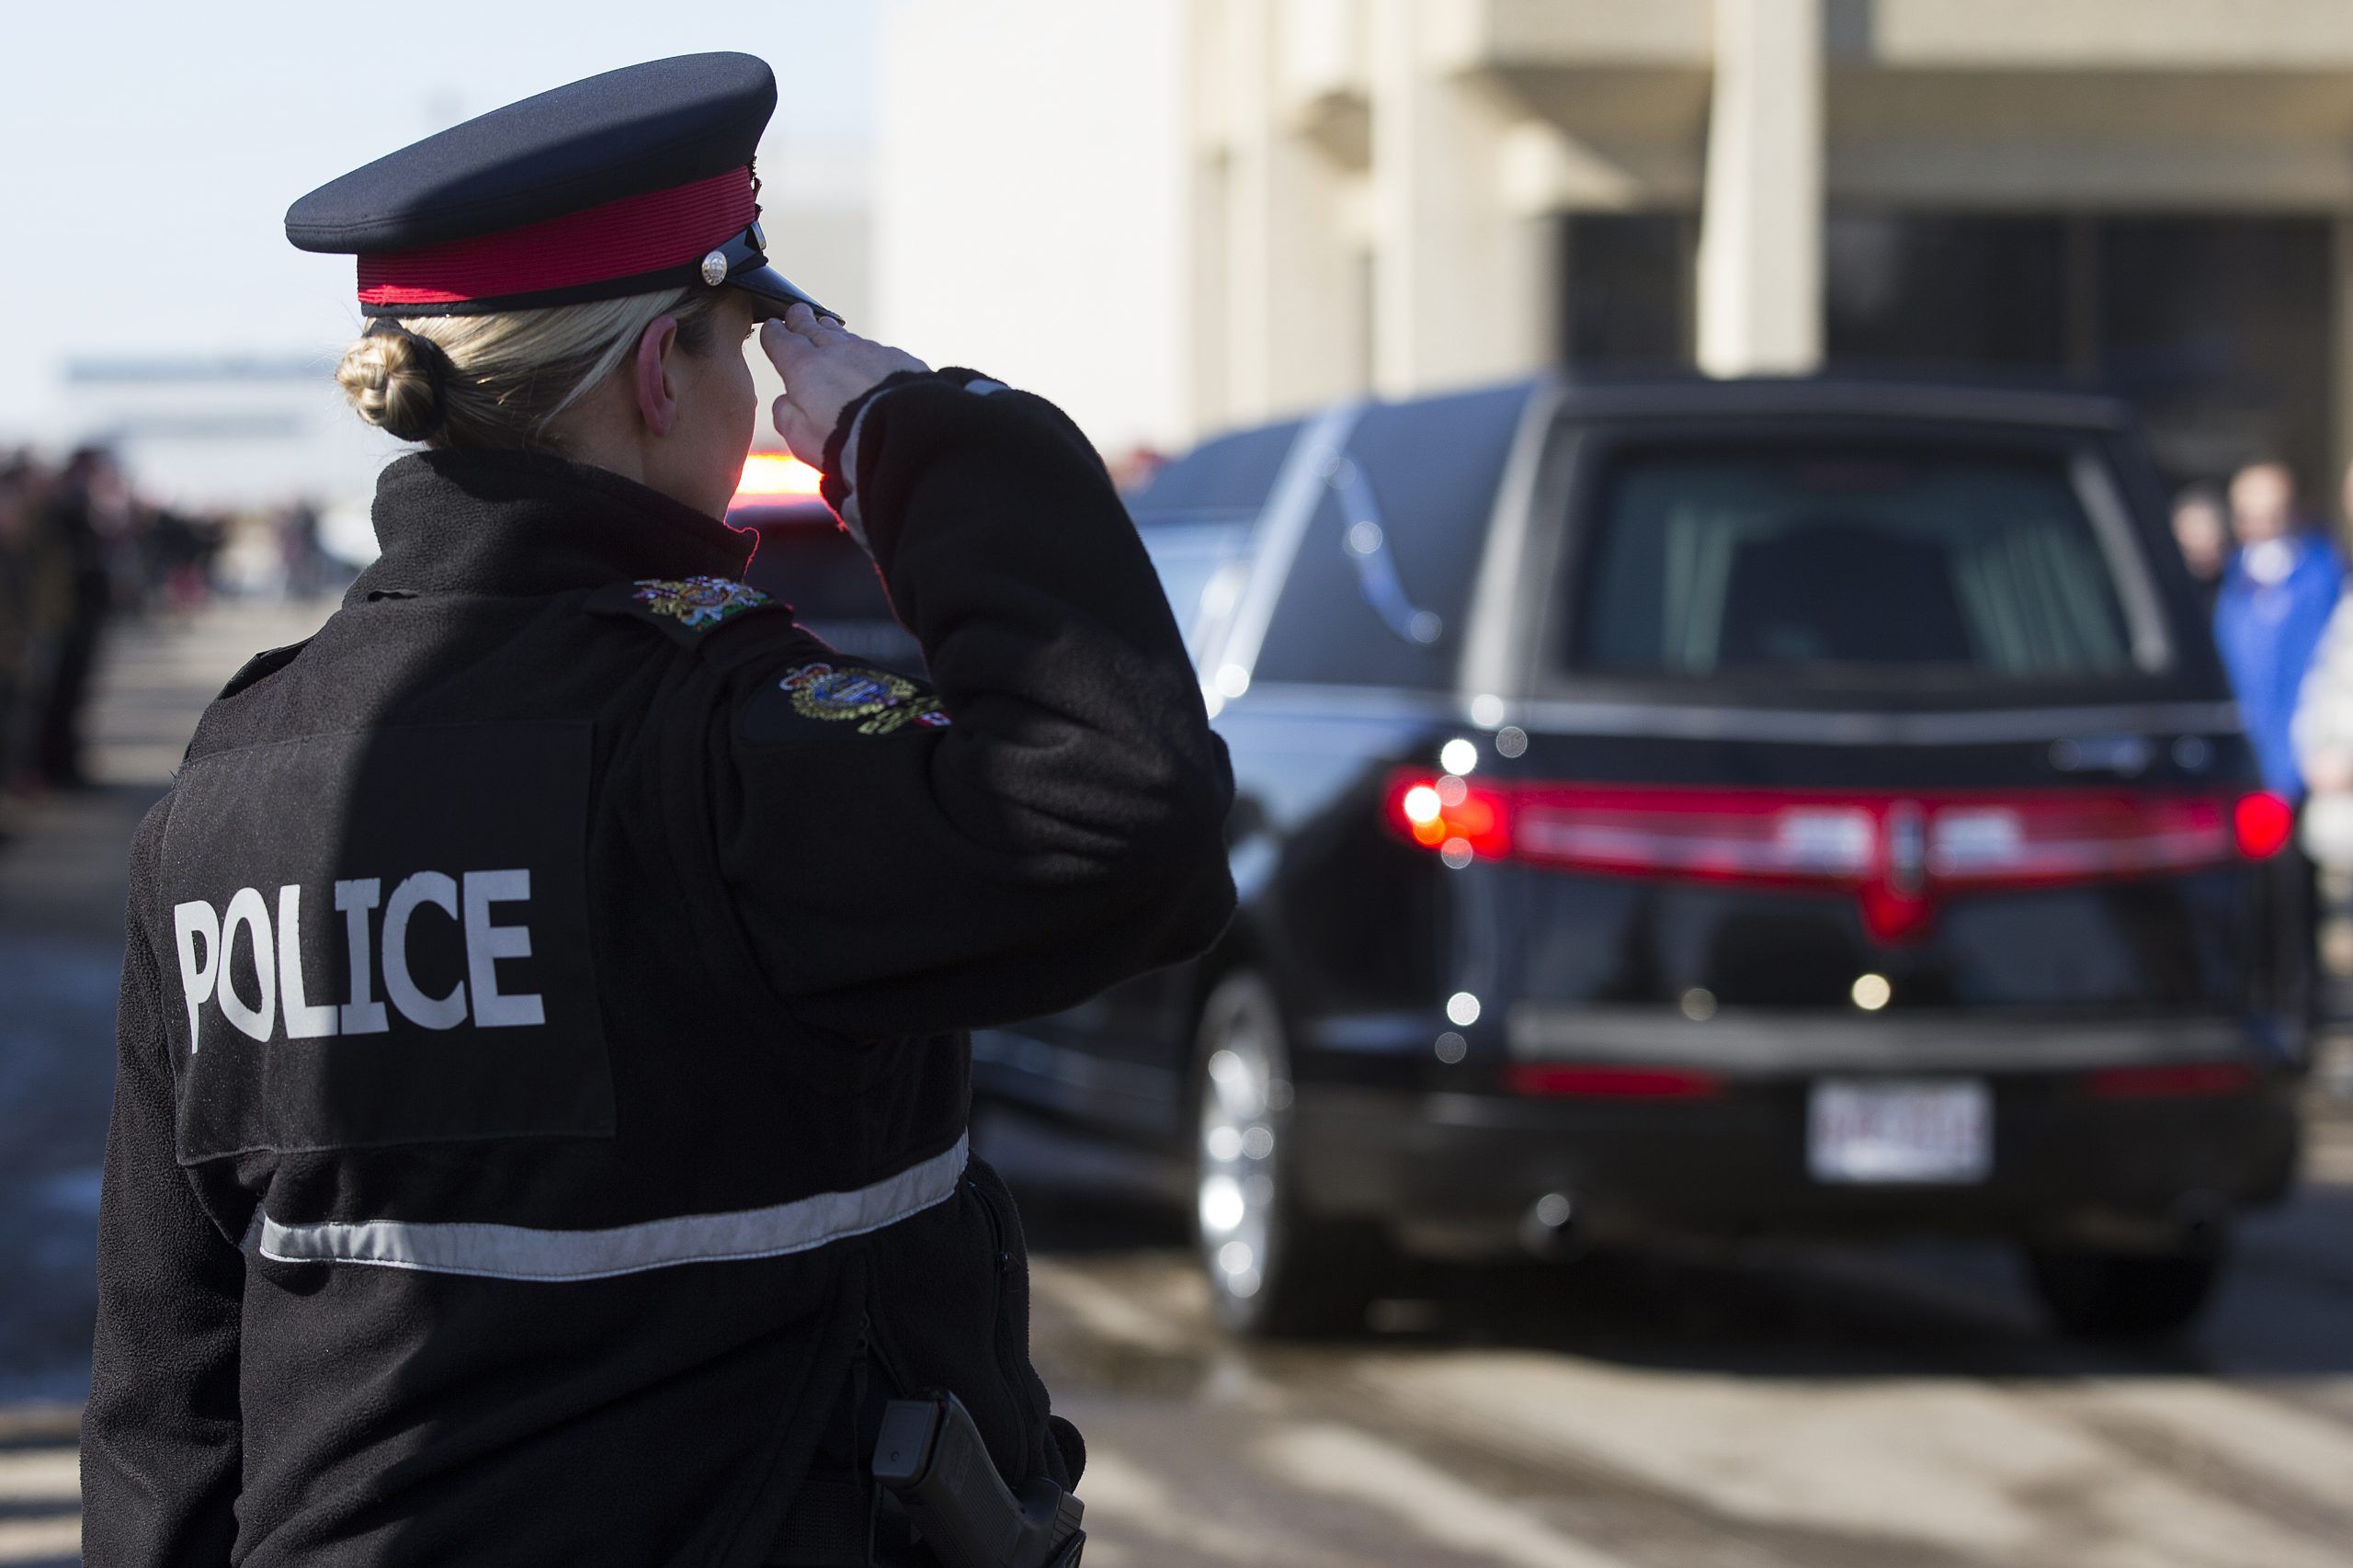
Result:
pixel 1380 589
pixel 1202 558
pixel 1828 558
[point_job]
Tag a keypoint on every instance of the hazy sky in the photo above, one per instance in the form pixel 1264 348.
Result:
pixel 148 150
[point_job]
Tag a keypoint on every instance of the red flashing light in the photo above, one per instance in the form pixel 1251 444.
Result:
pixel 1611 1082
pixel 770 475
pixel 2262 823
pixel 2172 1081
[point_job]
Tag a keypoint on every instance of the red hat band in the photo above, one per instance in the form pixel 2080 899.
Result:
pixel 658 232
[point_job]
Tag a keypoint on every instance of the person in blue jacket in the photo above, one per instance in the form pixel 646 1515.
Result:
pixel 2275 599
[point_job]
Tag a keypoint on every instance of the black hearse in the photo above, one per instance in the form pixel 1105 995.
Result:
pixel 1805 807
pixel 802 557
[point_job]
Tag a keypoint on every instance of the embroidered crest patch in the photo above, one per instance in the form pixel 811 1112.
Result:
pixel 697 601
pixel 877 700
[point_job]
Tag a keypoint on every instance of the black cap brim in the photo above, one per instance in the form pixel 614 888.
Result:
pixel 774 293
pixel 748 269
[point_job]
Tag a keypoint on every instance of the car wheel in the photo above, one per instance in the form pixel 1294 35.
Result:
pixel 1274 1270
pixel 2093 1294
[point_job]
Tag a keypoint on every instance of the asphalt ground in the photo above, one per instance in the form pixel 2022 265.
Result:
pixel 1756 1408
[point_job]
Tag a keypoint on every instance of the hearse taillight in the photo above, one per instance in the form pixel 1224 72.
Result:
pixel 1896 851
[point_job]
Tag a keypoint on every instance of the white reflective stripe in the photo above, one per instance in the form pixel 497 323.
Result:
pixel 1283 522
pixel 518 1252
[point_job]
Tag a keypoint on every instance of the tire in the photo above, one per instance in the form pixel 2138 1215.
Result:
pixel 1274 1270
pixel 2124 1295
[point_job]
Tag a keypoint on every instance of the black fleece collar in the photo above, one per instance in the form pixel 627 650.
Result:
pixel 501 522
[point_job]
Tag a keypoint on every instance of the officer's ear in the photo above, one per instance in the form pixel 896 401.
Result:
pixel 657 399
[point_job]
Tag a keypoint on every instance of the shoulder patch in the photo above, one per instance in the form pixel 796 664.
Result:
pixel 814 697
pixel 687 609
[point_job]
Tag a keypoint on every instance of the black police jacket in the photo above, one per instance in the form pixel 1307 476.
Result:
pixel 540 1036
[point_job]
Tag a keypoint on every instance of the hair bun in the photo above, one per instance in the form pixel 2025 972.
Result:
pixel 397 380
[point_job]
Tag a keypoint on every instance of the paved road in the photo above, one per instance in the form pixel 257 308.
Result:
pixel 1705 1409
pixel 1824 1409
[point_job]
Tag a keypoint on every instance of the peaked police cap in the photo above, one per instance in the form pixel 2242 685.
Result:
pixel 634 182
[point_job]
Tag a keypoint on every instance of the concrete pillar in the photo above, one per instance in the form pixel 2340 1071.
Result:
pixel 1208 142
pixel 1463 282
pixel 1044 237
pixel 1289 322
pixel 1760 225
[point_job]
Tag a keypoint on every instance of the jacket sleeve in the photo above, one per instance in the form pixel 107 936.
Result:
pixel 161 1437
pixel 1063 827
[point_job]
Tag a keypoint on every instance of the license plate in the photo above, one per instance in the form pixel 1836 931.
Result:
pixel 1912 1131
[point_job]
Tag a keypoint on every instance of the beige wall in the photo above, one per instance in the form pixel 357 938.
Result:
pixel 1286 238
pixel 1029 215
pixel 1462 280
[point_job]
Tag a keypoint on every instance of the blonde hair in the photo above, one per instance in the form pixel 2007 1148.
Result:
pixel 500 379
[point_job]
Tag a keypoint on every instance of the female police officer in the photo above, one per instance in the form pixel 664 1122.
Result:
pixel 542 1100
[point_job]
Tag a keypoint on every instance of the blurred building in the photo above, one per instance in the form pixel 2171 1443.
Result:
pixel 1405 194
pixel 1032 172
pixel 221 431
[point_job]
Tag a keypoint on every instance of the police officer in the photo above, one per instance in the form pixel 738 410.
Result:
pixel 540 1127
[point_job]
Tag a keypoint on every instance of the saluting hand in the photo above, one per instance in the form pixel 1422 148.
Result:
pixel 825 367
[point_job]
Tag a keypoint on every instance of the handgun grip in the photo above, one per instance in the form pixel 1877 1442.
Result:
pixel 931 1456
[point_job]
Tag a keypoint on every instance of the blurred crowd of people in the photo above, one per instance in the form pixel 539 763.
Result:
pixel 2276 582
pixel 58 529
pixel 2283 621
pixel 78 548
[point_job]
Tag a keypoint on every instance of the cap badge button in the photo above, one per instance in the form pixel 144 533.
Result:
pixel 714 269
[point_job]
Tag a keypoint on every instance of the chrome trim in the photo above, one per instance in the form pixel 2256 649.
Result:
pixel 1814 726
pixel 1366 544
pixel 2128 565
pixel 1825 727
pixel 1796 1042
pixel 1488 660
pixel 521 1252
pixel 1290 506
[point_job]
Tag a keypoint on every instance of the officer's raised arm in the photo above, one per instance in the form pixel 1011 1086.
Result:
pixel 1053 822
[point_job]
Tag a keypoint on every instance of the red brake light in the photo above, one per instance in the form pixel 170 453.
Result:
pixel 2262 823
pixel 1450 815
pixel 1611 1082
pixel 1894 851
pixel 2172 1081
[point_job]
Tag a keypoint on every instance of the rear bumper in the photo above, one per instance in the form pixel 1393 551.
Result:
pixel 1466 1166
